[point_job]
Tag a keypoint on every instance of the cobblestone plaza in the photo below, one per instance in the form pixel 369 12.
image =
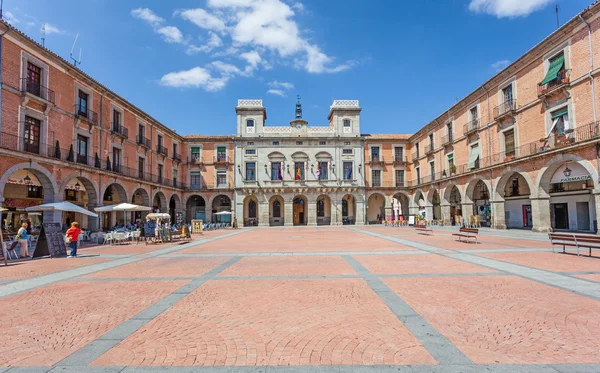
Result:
pixel 306 299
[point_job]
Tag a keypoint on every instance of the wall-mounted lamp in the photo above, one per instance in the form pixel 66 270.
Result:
pixel 360 168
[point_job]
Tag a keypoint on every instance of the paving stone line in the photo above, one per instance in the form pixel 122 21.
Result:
pixel 319 253
pixel 580 286
pixel 98 347
pixel 35 282
pixel 438 346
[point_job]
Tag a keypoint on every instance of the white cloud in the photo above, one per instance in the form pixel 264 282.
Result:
pixel 507 8
pixel 277 92
pixel 202 19
pixel 284 85
pixel 170 34
pixel 252 57
pixel 10 18
pixel 51 29
pixel 226 69
pixel 500 65
pixel 147 15
pixel 196 77
pixel 214 41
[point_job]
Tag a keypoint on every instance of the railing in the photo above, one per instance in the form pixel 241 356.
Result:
pixel 429 148
pixel 119 129
pixel 415 156
pixel 400 159
pixel 376 158
pixel 31 148
pixel 448 139
pixel 37 89
pixel 505 108
pixel 162 150
pixel 195 159
pixel 176 157
pixel 143 141
pixel 221 159
pixel 90 115
pixel 562 79
pixel 472 126
pixel 400 184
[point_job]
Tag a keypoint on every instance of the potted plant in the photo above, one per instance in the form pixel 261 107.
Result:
pixel 97 163
pixel 452 169
pixel 57 150
pixel 108 164
pixel 71 156
pixel 444 173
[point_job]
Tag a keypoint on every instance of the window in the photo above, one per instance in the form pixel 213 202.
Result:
pixel 474 113
pixel 347 151
pixel 175 172
pixel 298 142
pixel 174 150
pixel 34 79
pixel 322 171
pixel 398 153
pixel 399 178
pixel 116 160
pixel 276 173
pixel 375 154
pixel 418 150
pixel 320 208
pixel 375 178
pixel 276 209
pixel 141 132
pixel 159 141
pixel 195 150
pixel 346 122
pixel 70 195
pixel 221 178
pixel 82 103
pixel 141 167
pixel 418 172
pixel 509 143
pixel 507 93
pixel 250 143
pixel 451 167
pixel 160 173
pixel 82 149
pixel 195 180
pixel 31 138
pixel 347 170
pixel 34 191
pixel 275 142
pixel 556 72
pixel 560 123
pixel 299 170
pixel 221 154
pixel 322 142
pixel 250 171
pixel 250 151
pixel 431 144
pixel 250 123
pixel 432 170
pixel 450 132
pixel 116 121
pixel 474 157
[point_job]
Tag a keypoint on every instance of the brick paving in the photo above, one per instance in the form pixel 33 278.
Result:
pixel 305 296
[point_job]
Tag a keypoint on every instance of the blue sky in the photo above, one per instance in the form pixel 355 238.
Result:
pixel 186 62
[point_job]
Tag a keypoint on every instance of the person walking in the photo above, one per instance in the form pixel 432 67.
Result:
pixel 23 242
pixel 72 236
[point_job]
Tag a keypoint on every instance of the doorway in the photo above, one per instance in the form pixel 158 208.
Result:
pixel 583 216
pixel 527 217
pixel 299 211
pixel 561 215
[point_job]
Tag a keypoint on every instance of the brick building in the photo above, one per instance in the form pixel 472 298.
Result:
pixel 520 151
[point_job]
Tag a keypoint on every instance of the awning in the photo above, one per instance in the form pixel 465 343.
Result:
pixel 473 158
pixel 575 172
pixel 555 66
pixel 560 113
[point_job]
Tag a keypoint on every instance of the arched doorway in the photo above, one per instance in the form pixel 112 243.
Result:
pixel 300 210
pixel 517 205
pixel 375 208
pixel 251 211
pixel 323 210
pixel 454 199
pixel 196 208
pixel 420 203
pixel 437 205
pixel 221 203
pixel 400 205
pixel 140 197
pixel 159 202
pixel 113 195
pixel 481 204
pixel 276 211
pixel 349 210
pixel 81 191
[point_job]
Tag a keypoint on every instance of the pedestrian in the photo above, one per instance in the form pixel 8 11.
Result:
pixel 29 227
pixel 378 219
pixel 72 236
pixel 23 243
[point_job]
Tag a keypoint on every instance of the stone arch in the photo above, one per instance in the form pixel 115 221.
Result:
pixel 195 206
pixel 159 201
pixel 324 209
pixel 376 205
pixel 251 211
pixel 44 176
pixel 221 202
pixel 470 189
pixel 300 209
pixel 91 187
pixel 546 172
pixel 405 203
pixel 174 206
pixel 505 177
pixel 123 197
pixel 430 193
pixel 448 192
pixel 276 210
pixel 417 196
pixel 348 209
pixel 140 196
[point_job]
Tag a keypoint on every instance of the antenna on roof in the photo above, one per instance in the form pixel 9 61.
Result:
pixel 557 23
pixel 75 61
pixel 43 34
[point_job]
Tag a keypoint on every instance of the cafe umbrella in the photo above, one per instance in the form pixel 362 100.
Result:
pixel 124 207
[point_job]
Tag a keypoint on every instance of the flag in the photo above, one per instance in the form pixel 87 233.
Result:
pixel 279 176
pixel 319 173
pixel 349 173
pixel 298 174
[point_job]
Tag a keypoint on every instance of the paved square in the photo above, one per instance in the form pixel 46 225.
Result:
pixel 380 297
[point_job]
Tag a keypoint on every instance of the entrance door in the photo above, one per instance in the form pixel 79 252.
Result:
pixel 299 211
pixel 527 218
pixel 201 215
pixel 583 216
pixel 561 216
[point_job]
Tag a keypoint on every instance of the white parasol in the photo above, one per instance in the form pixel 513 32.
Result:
pixel 61 206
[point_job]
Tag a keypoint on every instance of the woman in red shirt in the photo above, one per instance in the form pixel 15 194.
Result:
pixel 72 237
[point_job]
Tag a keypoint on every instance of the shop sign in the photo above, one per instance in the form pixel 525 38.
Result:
pixel 570 172
pixel 20 203
pixel 23 177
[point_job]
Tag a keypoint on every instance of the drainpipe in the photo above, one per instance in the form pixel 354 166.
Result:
pixel 489 132
pixel 234 184
pixel 591 65
pixel 100 196
pixel 1 81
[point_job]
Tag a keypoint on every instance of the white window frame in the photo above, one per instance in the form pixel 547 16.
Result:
pixel 45 79
pixel 221 171
pixel 396 179
pixel 394 146
pixel 376 168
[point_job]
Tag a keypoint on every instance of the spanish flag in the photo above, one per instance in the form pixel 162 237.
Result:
pixel 299 174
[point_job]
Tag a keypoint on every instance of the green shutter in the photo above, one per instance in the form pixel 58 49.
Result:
pixel 473 158
pixel 560 113
pixel 555 66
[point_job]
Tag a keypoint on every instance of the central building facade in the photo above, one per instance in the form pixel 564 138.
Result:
pixel 299 174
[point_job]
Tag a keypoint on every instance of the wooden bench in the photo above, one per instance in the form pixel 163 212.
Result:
pixel 579 241
pixel 422 228
pixel 467 233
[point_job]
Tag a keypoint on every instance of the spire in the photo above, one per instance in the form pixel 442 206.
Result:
pixel 298 109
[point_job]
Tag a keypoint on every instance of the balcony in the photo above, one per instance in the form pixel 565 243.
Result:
pixel 400 184
pixel 31 88
pixel 430 148
pixel 31 147
pixel 162 150
pixel 472 126
pixel 505 109
pixel 143 141
pixel 415 156
pixel 195 159
pixel 86 114
pixel 399 159
pixel 447 140
pixel 222 159
pixel 81 159
pixel 562 80
pixel 376 159
pixel 118 129
pixel 176 157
